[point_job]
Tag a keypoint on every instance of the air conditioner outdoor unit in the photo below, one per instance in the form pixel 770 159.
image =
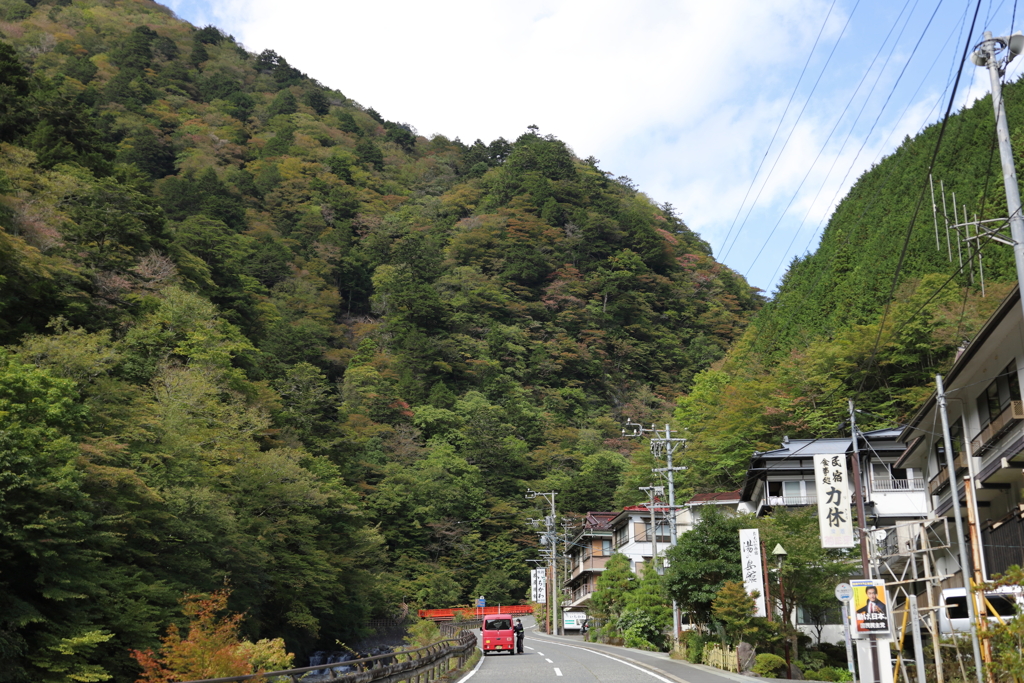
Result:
pixel 1017 410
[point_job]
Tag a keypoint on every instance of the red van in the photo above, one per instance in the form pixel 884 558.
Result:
pixel 497 634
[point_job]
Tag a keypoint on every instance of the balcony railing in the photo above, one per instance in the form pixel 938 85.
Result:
pixel 915 484
pixel 587 553
pixel 581 591
pixel 940 480
pixel 995 429
pixel 792 501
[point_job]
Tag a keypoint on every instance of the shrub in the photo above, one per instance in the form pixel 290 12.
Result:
pixel 769 665
pixel 812 661
pixel 423 633
pixel 695 647
pixel 640 630
pixel 835 653
pixel 834 674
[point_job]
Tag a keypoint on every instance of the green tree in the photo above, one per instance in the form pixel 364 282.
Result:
pixel 611 595
pixel 703 560
pixel 734 607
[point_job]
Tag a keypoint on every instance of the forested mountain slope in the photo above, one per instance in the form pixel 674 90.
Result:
pixel 258 335
pixel 818 340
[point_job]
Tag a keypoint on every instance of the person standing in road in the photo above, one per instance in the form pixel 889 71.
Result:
pixel 519 631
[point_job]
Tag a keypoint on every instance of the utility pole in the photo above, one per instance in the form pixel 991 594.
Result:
pixel 988 53
pixel 653 492
pixel 862 522
pixel 664 444
pixel 550 538
pixel 940 395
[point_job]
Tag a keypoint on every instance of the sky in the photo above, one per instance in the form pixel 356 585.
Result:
pixel 751 117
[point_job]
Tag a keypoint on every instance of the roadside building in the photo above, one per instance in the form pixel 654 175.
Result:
pixel 986 418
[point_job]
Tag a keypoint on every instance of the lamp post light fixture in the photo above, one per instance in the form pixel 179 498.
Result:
pixel 995 53
pixel 780 554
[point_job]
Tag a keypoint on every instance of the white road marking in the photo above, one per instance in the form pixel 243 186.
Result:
pixel 558 672
pixel 540 653
pixel 621 661
pixel 529 648
pixel 475 669
pixel 549 661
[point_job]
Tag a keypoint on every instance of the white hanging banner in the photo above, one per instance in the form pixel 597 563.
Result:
pixel 539 585
pixel 750 556
pixel 835 520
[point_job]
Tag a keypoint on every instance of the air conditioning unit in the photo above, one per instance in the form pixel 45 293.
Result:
pixel 1017 410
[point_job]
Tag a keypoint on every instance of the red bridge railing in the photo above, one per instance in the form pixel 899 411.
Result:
pixel 470 612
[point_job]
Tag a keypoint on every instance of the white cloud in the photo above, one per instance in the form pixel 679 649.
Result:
pixel 682 96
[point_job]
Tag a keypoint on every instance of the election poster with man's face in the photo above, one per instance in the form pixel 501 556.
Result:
pixel 870 608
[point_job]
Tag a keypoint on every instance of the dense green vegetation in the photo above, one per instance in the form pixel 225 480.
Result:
pixel 257 335
pixel 822 339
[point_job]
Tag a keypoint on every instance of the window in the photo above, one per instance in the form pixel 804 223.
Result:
pixel 664 531
pixel 606 546
pixel 956 438
pixel 1004 605
pixel 881 470
pixel 620 536
pixel 997 396
pixel 807 617
pixel 796 492
pixel 497 625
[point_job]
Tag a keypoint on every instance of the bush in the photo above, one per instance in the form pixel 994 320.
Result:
pixel 769 665
pixel 812 661
pixel 640 630
pixel 834 674
pixel 695 647
pixel 835 653
pixel 423 633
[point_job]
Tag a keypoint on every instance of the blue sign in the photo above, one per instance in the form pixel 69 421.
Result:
pixel 481 602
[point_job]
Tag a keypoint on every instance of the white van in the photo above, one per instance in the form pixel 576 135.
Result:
pixel 573 621
pixel 953 613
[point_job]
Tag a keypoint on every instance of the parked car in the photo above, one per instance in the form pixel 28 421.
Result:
pixel 1007 602
pixel 497 634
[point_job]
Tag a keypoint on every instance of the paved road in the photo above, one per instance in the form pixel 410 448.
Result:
pixel 567 659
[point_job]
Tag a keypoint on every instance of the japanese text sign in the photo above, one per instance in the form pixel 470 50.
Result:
pixel 835 520
pixel 750 556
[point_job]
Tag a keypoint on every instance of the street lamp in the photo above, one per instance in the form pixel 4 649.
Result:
pixel 780 554
pixel 995 54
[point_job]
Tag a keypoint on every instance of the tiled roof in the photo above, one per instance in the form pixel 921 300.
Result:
pixel 599 520
pixel 718 497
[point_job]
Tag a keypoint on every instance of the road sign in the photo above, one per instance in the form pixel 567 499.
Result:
pixel 844 592
pixel 481 602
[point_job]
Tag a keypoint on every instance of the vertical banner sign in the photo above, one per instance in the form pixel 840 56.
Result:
pixel 539 585
pixel 870 608
pixel 750 556
pixel 834 519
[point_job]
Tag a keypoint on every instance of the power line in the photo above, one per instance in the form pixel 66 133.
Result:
pixel 920 198
pixel 839 188
pixel 792 130
pixel 779 127
pixel 877 118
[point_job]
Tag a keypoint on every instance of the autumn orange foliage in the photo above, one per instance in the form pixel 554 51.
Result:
pixel 211 649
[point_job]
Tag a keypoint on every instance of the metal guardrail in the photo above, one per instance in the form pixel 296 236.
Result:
pixel 431 660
